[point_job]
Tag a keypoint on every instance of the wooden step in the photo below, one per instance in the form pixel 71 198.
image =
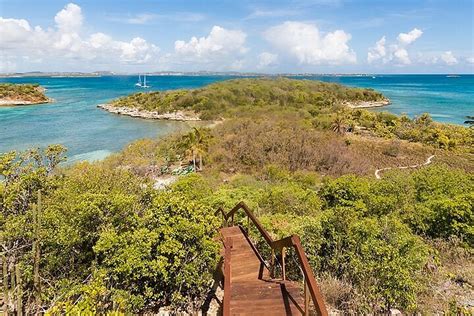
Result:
pixel 252 290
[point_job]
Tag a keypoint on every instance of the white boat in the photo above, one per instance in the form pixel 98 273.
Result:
pixel 140 83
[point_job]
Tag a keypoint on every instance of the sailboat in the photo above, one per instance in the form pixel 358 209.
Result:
pixel 140 83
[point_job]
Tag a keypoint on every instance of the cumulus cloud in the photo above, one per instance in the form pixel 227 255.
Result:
pixel 401 55
pixel 70 18
pixel 305 43
pixel 470 60
pixel 220 41
pixel 66 40
pixel 410 37
pixel 378 51
pixel 396 52
pixel 266 59
pixel 448 58
pixel 220 49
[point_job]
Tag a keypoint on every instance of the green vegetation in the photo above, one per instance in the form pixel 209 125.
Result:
pixel 30 93
pixel 229 98
pixel 322 104
pixel 99 239
pixel 107 241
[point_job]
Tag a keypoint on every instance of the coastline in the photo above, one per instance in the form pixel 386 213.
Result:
pixel 367 104
pixel 8 102
pixel 170 116
pixel 191 116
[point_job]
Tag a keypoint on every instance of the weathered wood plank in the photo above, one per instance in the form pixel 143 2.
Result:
pixel 252 291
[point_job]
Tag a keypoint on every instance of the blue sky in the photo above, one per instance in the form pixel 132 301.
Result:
pixel 317 36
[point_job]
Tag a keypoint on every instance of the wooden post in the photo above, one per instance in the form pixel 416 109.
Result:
pixel 306 298
pixel 5 284
pixel 248 225
pixel 283 270
pixel 227 276
pixel 19 292
pixel 272 264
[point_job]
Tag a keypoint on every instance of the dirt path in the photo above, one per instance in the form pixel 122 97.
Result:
pixel 427 162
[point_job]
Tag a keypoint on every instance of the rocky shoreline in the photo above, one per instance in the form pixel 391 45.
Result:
pixel 367 104
pixel 9 102
pixel 171 116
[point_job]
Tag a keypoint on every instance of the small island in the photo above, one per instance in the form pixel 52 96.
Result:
pixel 229 98
pixel 22 94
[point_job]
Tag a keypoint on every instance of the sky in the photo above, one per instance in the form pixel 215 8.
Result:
pixel 292 36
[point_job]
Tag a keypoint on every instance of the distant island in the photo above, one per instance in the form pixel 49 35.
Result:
pixel 56 74
pixel 174 73
pixel 22 94
pixel 228 98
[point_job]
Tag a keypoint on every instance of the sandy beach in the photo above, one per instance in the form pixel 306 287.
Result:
pixel 367 104
pixel 7 102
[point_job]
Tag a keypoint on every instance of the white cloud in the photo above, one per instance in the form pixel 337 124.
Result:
pixel 221 45
pixel 148 17
pixel 396 52
pixel 305 42
pixel 13 30
pixel 470 60
pixel 378 51
pixel 410 37
pixel 70 18
pixel 6 65
pixel 266 59
pixel 449 58
pixel 427 58
pixel 401 55
pixel 66 41
pixel 143 18
pixel 258 13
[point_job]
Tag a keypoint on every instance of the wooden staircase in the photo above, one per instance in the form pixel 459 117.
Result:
pixel 250 284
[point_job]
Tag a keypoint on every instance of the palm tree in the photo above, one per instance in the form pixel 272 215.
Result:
pixel 196 144
pixel 339 124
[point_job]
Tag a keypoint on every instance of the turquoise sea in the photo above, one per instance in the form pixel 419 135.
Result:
pixel 90 133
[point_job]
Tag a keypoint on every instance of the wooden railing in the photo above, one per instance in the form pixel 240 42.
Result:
pixel 227 276
pixel 311 288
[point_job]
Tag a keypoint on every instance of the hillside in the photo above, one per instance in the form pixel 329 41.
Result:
pixel 138 232
pixel 228 98
pixel 22 94
pixel 326 106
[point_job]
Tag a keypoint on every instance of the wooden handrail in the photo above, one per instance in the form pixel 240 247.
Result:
pixel 228 244
pixel 309 278
pixel 279 245
pixel 244 207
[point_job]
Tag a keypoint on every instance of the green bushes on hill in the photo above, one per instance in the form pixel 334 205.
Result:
pixel 22 92
pixel 107 241
pixel 229 97
pixel 99 239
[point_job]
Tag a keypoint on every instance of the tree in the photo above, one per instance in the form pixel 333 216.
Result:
pixel 340 124
pixel 196 144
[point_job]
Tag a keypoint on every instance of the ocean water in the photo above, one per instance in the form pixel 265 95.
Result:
pixel 447 99
pixel 90 133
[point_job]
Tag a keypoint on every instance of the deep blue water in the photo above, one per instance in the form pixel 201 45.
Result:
pixel 90 133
